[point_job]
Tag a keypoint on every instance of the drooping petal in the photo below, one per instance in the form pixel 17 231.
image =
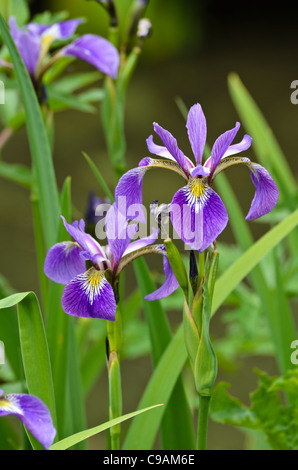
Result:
pixel 84 240
pixel 170 284
pixel 267 194
pixel 171 145
pixel 237 148
pixel 89 295
pixel 198 214
pixel 28 45
pixel 64 262
pixel 97 51
pixel 197 131
pixel 33 413
pixel 221 145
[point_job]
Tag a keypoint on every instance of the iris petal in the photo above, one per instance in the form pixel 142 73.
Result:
pixel 221 145
pixel 198 215
pixel 64 262
pixel 97 51
pixel 197 131
pixel 266 195
pixel 33 413
pixel 170 285
pixel 89 295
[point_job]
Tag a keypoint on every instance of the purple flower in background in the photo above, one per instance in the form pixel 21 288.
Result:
pixel 88 293
pixel 32 412
pixel 34 41
pixel 197 212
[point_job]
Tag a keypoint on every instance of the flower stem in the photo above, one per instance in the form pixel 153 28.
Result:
pixel 114 331
pixel 204 402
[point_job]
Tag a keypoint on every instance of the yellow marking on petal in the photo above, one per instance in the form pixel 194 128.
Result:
pixel 4 403
pixel 94 277
pixel 198 187
pixel 47 41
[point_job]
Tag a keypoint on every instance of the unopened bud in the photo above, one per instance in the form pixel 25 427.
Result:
pixel 144 28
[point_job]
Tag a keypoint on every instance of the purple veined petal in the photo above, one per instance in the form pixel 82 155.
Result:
pixel 170 285
pixel 97 51
pixel 237 148
pixel 119 233
pixel 89 295
pixel 58 31
pixel 33 413
pixel 171 145
pixel 161 151
pixel 266 195
pixel 84 240
pixel 221 145
pixel 198 215
pixel 158 150
pixel 130 189
pixel 197 131
pixel 28 45
pixel 64 262
pixel 142 242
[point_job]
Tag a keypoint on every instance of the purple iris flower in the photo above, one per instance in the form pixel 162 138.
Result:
pixel 34 41
pixel 197 212
pixel 32 412
pixel 87 292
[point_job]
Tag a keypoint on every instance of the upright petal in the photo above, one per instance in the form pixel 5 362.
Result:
pixel 33 413
pixel 170 284
pixel 64 262
pixel 84 240
pixel 237 148
pixel 221 145
pixel 171 145
pixel 28 45
pixel 197 131
pixel 89 295
pixel 96 51
pixel 198 214
pixel 266 195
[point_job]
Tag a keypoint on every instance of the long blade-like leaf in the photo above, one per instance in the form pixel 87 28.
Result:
pixel 34 348
pixel 142 432
pixel 81 436
pixel 39 145
pixel 176 428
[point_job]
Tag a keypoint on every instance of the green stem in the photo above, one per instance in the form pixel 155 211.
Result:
pixel 204 402
pixel 114 332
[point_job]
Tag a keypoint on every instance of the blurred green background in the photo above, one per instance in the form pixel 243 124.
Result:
pixel 193 48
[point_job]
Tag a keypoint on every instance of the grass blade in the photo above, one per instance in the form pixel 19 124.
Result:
pixel 39 145
pixel 142 432
pixel 81 436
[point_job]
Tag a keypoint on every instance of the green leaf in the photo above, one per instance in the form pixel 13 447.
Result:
pixel 267 149
pixel 232 276
pixel 176 428
pixel 59 101
pixel 40 149
pixel 71 83
pixel 143 431
pixel 34 348
pixel 81 436
pixel 99 177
